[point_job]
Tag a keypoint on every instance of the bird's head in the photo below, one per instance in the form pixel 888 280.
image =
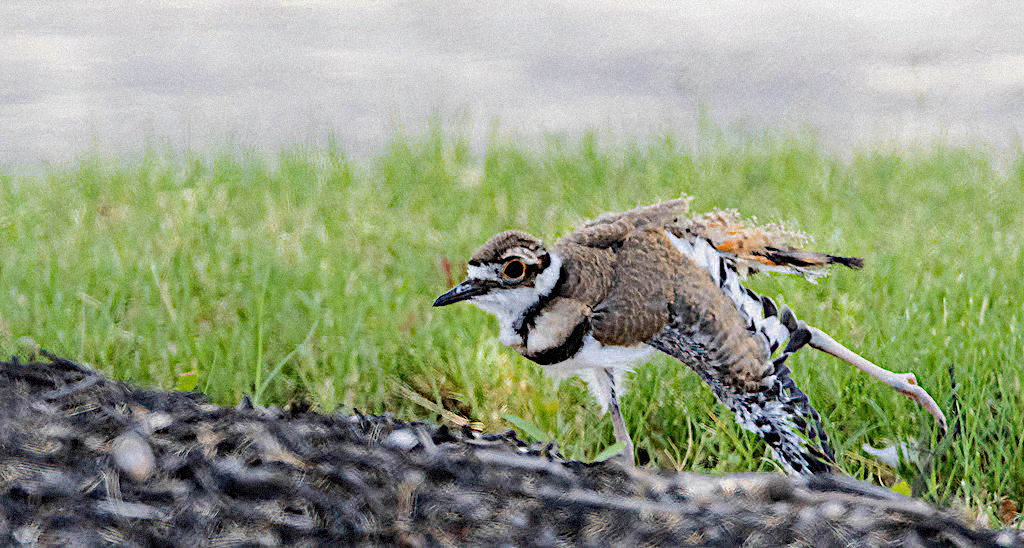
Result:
pixel 508 274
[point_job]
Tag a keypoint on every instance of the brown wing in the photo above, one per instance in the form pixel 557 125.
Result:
pixel 611 229
pixel 699 307
pixel 588 271
pixel 645 274
pixel 755 246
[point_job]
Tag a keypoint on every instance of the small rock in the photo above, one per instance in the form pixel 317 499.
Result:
pixel 133 456
pixel 403 440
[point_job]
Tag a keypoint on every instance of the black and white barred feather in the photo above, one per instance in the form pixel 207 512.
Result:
pixel 780 413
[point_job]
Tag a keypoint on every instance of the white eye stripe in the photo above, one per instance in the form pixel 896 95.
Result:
pixel 490 272
pixel 525 255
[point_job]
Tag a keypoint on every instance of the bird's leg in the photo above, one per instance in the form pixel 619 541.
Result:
pixel 904 383
pixel 618 424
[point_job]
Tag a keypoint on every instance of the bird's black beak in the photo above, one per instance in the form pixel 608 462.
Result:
pixel 465 290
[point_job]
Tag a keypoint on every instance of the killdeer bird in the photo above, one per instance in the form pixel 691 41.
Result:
pixel 606 297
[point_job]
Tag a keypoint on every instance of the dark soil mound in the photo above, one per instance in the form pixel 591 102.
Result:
pixel 85 461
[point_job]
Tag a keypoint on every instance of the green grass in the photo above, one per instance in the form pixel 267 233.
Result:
pixel 307 273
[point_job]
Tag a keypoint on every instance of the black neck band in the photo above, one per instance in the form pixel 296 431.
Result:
pixel 524 323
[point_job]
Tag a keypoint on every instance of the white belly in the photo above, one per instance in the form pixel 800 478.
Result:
pixel 591 361
pixel 594 356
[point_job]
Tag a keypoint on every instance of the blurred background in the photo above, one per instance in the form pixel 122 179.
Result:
pixel 80 75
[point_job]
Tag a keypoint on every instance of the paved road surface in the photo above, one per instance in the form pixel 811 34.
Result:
pixel 77 74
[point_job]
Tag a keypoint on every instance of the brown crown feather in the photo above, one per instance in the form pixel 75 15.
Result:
pixel 492 250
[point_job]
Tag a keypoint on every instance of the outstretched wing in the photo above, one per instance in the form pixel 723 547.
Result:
pixel 727 334
pixel 729 247
pixel 722 330
pixel 780 413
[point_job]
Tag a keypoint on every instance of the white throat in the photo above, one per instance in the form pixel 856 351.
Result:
pixel 509 305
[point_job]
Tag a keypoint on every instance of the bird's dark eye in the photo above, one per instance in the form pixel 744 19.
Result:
pixel 514 270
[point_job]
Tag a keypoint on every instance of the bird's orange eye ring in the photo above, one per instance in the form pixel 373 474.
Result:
pixel 513 270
